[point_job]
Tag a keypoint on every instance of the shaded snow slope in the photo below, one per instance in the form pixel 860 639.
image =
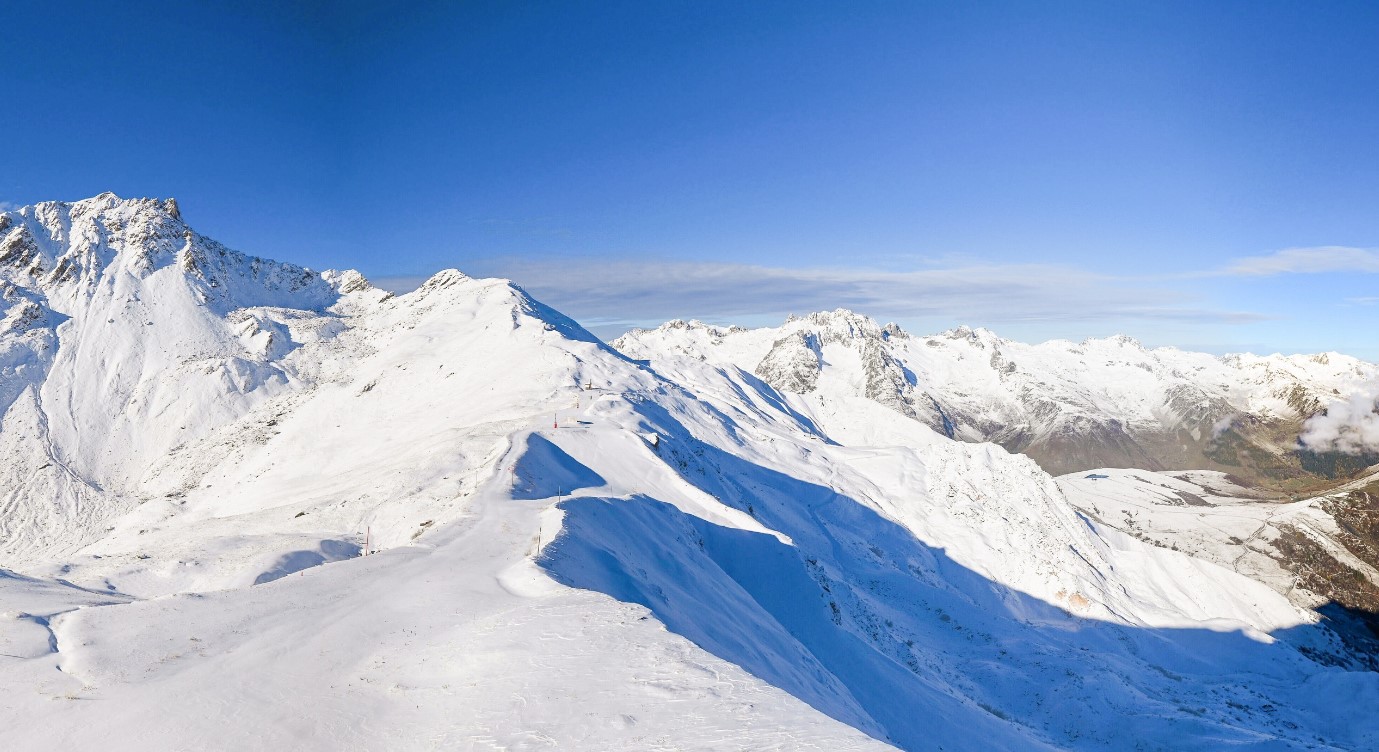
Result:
pixel 692 559
pixel 1071 406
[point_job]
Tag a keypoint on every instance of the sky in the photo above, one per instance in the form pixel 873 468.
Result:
pixel 1203 175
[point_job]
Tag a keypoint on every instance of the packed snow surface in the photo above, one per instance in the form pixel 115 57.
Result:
pixel 567 549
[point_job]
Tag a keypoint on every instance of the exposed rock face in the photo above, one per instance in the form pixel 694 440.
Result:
pixel 887 380
pixel 1349 586
pixel 793 365
pixel 795 361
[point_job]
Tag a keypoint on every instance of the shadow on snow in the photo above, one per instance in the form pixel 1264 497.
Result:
pixel 545 470
pixel 876 629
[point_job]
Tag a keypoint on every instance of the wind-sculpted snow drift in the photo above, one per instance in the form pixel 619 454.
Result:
pixel 200 442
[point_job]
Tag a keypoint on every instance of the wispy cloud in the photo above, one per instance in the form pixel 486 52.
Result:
pixel 8 206
pixel 1331 258
pixel 399 284
pixel 613 293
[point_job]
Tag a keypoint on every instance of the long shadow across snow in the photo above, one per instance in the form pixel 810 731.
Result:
pixel 545 470
pixel 876 629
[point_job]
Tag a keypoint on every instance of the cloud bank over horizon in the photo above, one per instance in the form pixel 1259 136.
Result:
pixel 622 294
pixel 1293 300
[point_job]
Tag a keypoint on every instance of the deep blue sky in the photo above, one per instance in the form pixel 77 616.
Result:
pixel 1044 169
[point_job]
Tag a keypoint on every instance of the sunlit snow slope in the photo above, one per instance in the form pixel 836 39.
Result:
pixel 573 550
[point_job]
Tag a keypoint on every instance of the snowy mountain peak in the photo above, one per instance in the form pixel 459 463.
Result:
pixel 348 280
pixel 125 334
pixel 69 251
pixel 697 325
pixel 1115 340
pixel 451 292
pixel 443 279
pixel 979 336
pixel 841 323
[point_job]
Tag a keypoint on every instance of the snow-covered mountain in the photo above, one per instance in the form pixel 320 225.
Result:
pixel 1071 406
pixel 571 549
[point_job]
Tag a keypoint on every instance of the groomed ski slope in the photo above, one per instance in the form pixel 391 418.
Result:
pixel 691 560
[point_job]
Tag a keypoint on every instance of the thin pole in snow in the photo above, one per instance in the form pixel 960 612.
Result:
pixel 367 530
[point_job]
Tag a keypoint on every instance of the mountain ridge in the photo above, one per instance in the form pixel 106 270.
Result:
pixel 310 493
pixel 1057 401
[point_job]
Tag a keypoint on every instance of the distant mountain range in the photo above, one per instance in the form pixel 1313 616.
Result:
pixel 1069 406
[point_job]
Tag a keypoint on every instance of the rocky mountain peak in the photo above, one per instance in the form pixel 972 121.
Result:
pixel 980 337
pixel 1123 340
pixel 66 250
pixel 842 324
pixel 793 364
pixel 441 280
